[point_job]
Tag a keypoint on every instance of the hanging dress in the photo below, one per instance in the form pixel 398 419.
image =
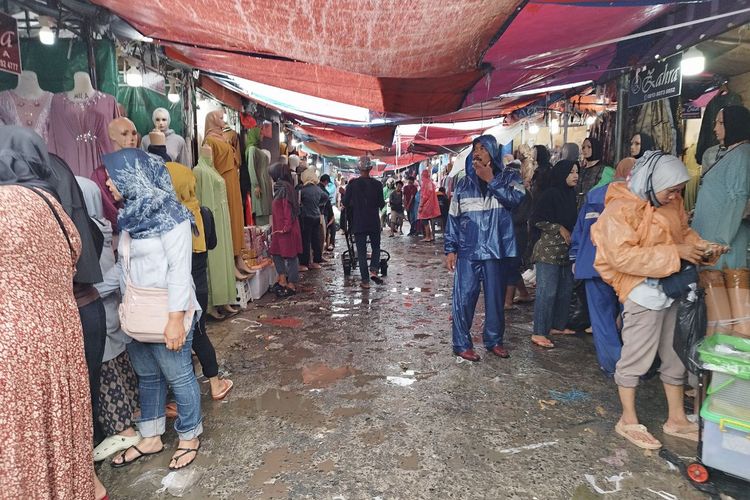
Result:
pixel 257 166
pixel 211 191
pixel 225 162
pixel 30 113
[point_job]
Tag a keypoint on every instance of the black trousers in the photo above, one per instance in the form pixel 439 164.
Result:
pixel 310 227
pixel 361 242
pixel 202 345
pixel 94 323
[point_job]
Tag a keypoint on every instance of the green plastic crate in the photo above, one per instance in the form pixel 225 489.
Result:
pixel 736 365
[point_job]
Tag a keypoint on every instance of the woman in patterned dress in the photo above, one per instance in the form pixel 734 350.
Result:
pixel 45 408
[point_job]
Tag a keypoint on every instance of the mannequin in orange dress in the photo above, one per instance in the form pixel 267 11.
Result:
pixel 226 163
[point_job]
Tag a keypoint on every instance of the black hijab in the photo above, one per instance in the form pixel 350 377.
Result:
pixel 736 124
pixel 647 144
pixel 557 203
pixel 24 159
pixel 596 149
pixel 283 186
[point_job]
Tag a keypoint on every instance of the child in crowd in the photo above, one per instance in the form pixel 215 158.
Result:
pixel 396 201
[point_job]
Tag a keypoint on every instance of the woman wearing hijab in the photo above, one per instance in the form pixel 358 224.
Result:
pixel 640 143
pixel 543 168
pixel 286 239
pixel 641 237
pixel 601 298
pixel 429 208
pixel 46 409
pixel 157 229
pixel 593 172
pixel 118 393
pixel 554 214
pixel 721 208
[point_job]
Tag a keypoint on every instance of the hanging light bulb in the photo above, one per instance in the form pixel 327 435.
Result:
pixel 693 62
pixel 533 129
pixel 133 77
pixel 172 93
pixel 590 120
pixel 46 35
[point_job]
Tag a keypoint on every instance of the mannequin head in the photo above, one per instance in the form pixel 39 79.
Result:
pixel 215 121
pixel 123 134
pixel 161 120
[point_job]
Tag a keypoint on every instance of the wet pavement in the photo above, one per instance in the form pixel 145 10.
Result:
pixel 346 393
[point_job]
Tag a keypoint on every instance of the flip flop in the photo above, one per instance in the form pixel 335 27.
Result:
pixel 125 463
pixel 184 451
pixel 690 433
pixel 546 343
pixel 625 430
pixel 226 390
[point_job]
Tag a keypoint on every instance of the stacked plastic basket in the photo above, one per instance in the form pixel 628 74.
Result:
pixel 726 410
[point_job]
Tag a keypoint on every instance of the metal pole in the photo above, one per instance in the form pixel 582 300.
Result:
pixel 566 119
pixel 90 53
pixel 622 106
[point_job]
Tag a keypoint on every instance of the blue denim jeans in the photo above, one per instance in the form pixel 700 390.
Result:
pixel 159 368
pixel 554 288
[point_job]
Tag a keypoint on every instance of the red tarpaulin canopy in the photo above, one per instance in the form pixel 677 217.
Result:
pixel 415 57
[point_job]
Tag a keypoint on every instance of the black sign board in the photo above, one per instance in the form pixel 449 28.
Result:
pixel 690 111
pixel 656 81
pixel 10 52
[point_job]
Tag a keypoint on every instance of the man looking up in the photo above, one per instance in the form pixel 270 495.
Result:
pixel 478 240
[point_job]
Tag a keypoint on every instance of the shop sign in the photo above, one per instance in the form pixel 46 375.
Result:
pixel 690 111
pixel 10 52
pixel 656 81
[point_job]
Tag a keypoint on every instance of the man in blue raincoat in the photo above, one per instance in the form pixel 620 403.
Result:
pixel 478 241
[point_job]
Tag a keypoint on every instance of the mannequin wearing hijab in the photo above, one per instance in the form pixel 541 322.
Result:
pixel 593 172
pixel 224 161
pixel 640 143
pixel 176 148
pixel 211 190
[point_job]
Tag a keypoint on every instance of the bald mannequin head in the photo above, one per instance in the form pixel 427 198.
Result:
pixel 123 134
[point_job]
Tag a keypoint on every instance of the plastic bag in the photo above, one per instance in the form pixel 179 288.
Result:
pixel 578 315
pixel 690 328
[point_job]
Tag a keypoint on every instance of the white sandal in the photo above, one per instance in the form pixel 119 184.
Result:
pixel 113 444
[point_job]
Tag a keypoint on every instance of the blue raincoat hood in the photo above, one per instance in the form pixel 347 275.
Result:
pixel 490 144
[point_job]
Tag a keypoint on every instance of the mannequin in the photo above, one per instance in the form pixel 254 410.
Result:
pixel 78 125
pixel 224 161
pixel 262 191
pixel 122 133
pixel 27 105
pixel 176 148
pixel 210 189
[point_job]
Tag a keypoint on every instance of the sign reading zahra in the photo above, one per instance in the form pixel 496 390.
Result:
pixel 10 52
pixel 656 81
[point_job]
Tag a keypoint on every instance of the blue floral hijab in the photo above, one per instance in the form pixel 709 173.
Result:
pixel 150 204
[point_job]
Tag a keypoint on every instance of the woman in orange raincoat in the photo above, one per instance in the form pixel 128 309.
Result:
pixel 643 237
pixel 429 208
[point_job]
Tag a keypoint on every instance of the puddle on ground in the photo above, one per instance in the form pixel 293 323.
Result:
pixel 359 396
pixel 349 412
pixel 277 462
pixel 282 322
pixel 410 462
pixel 373 437
pixel 362 379
pixel 322 375
pixel 282 404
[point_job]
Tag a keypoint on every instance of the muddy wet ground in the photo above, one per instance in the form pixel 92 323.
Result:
pixel 345 393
